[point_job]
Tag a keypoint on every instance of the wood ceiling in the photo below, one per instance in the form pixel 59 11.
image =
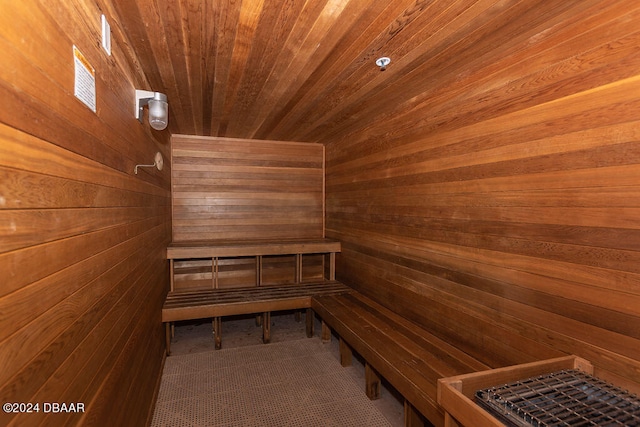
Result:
pixel 305 70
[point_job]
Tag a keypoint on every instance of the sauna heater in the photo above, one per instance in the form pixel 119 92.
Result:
pixel 563 398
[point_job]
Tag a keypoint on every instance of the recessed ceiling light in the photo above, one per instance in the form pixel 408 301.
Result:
pixel 383 62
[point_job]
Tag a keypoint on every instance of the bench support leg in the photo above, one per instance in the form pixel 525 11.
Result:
pixel 372 380
pixel 167 336
pixel 310 318
pixel 298 316
pixel 346 354
pixel 412 418
pixel 217 332
pixel 266 327
pixel 258 319
pixel 325 336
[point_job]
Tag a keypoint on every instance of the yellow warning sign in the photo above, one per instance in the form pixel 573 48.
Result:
pixel 85 80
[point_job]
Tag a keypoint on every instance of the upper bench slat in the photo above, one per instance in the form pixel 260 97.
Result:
pixel 224 248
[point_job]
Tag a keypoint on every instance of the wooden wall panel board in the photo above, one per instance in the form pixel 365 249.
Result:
pixel 87 232
pixel 586 196
pixel 64 326
pixel 456 85
pixel 23 228
pixel 235 234
pixel 603 308
pixel 226 175
pixel 452 149
pixel 600 257
pixel 80 22
pixel 211 185
pixel 195 146
pixel 25 152
pixel 483 337
pixel 34 263
pixel 49 89
pixel 558 331
pixel 132 335
pixel 497 84
pixel 23 190
pixel 535 124
pixel 507 268
pixel 605 156
pixel 121 317
pixel 20 307
pixel 272 191
pixel 504 226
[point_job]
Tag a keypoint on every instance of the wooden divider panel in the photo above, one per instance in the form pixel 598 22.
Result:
pixel 233 189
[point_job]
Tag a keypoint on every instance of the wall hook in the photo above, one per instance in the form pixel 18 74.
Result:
pixel 158 163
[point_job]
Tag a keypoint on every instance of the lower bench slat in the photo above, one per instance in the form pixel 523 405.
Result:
pixel 236 308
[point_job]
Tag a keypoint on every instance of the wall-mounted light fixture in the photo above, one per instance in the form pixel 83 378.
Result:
pixel 158 108
pixel 158 163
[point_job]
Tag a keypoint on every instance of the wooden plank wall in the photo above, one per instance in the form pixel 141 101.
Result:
pixel 83 272
pixel 497 202
pixel 238 189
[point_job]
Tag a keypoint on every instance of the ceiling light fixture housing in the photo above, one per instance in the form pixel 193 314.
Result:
pixel 383 62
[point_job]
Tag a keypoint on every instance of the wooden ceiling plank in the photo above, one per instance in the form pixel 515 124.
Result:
pixel 355 57
pixel 248 18
pixel 290 51
pixel 173 49
pixel 345 49
pixel 451 41
pixel 274 27
pixel 192 33
pixel 222 33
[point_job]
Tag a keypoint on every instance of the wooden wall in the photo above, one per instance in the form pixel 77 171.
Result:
pixel 82 239
pixel 496 199
pixel 234 189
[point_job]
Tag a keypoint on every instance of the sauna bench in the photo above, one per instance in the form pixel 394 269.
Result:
pixel 410 358
pixel 216 303
pixel 216 300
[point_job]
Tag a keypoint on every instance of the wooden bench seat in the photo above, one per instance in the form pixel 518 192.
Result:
pixel 407 356
pixel 215 303
pixel 205 294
